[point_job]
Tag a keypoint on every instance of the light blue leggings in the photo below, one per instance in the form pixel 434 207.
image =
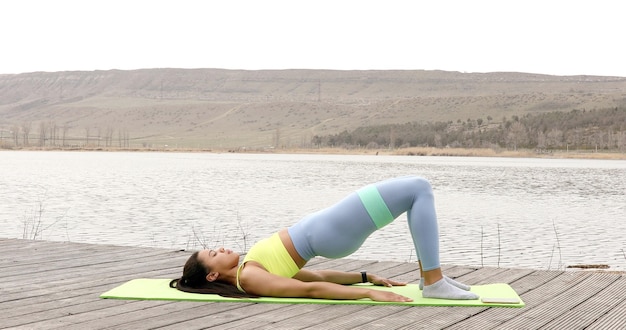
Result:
pixel 341 229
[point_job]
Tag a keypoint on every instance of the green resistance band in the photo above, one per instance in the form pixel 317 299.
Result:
pixel 375 206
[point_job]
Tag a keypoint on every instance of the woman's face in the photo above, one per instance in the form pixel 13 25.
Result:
pixel 218 260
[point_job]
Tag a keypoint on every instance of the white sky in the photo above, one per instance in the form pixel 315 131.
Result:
pixel 535 36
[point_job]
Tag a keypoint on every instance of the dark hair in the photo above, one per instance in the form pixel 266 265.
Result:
pixel 194 281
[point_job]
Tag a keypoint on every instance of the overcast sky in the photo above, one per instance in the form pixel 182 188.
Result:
pixel 549 36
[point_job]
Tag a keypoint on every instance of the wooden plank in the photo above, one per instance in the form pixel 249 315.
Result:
pixel 124 318
pixel 85 269
pixel 366 317
pixel 75 282
pixel 256 314
pixel 62 316
pixel 449 316
pixel 406 272
pixel 614 319
pixel 40 255
pixel 492 318
pixel 481 275
pixel 606 292
pixel 305 315
pixel 555 298
pixel 534 288
pixel 65 295
pixel 64 301
pixel 509 275
pixel 282 314
pixel 318 317
pixel 455 271
pixel 77 293
pixel 53 253
pixel 352 262
pixel 64 267
pixel 67 279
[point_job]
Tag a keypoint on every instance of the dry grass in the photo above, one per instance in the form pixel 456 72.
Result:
pixel 485 152
pixel 414 151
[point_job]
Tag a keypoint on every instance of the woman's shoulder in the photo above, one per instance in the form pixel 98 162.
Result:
pixel 251 266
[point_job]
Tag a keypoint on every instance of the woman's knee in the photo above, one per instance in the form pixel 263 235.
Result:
pixel 421 185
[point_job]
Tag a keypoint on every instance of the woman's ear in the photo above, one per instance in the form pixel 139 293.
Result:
pixel 212 276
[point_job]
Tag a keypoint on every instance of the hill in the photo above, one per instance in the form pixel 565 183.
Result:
pixel 213 108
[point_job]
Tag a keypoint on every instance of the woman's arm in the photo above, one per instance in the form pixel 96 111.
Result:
pixel 339 277
pixel 259 282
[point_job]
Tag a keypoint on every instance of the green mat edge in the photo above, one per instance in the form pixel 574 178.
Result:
pixel 195 297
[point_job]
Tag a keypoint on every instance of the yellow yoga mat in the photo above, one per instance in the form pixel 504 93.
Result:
pixel 158 289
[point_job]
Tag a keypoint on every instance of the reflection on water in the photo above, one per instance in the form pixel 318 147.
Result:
pixel 531 213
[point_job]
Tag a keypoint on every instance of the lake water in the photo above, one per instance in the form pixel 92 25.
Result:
pixel 507 212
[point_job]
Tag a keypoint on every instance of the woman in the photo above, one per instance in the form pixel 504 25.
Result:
pixel 273 266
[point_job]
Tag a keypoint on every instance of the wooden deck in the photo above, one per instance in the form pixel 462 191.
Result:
pixel 49 285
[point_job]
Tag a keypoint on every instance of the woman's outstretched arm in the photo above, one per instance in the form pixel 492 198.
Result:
pixel 258 281
pixel 339 277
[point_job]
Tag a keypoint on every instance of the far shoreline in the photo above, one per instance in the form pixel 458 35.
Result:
pixel 412 151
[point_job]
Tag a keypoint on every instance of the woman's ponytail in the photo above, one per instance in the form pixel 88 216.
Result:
pixel 194 281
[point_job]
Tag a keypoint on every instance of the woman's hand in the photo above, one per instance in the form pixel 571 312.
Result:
pixel 377 280
pixel 379 295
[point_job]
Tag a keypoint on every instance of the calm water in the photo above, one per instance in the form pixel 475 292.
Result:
pixel 531 213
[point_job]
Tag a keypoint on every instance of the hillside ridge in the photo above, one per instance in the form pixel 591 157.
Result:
pixel 209 108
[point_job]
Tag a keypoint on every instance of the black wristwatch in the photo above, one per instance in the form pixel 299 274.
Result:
pixel 364 277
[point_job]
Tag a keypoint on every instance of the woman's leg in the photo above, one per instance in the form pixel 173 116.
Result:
pixel 334 232
pixel 415 196
pixel 341 229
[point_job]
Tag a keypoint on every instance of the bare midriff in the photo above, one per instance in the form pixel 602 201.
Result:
pixel 291 249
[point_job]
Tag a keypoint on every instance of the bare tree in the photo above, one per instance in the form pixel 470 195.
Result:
pixel 438 143
pixel 25 133
pixel 99 135
pixel 516 135
pixel 597 139
pixel 554 138
pixel 15 131
pixel 574 137
pixel 541 140
pixel 86 136
pixel 621 140
pixel 123 138
pixel 109 136
pixel 42 134
pixel 65 129
pixel 392 138
pixel 52 126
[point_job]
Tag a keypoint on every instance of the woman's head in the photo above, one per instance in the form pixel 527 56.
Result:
pixel 201 273
pixel 218 262
pixel 194 273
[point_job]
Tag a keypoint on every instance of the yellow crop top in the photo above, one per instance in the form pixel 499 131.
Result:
pixel 273 256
